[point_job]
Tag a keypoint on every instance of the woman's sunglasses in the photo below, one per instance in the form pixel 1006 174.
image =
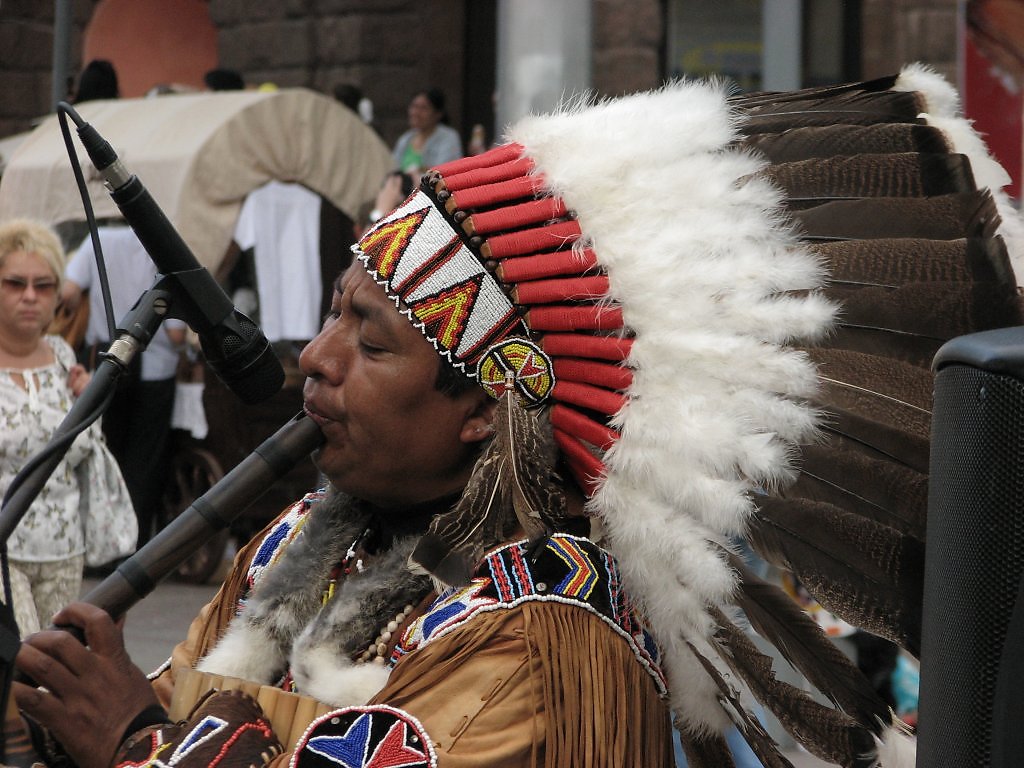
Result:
pixel 15 286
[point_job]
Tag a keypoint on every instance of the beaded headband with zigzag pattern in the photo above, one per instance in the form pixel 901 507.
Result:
pixel 489 268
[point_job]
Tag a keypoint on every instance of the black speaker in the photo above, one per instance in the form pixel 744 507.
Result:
pixel 972 646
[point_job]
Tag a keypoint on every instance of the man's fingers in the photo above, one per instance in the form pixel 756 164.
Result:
pixel 37 704
pixel 42 666
pixel 102 635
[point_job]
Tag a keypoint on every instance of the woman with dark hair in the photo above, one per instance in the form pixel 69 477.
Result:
pixel 429 140
pixel 97 81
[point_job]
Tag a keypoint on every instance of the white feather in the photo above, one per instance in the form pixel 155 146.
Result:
pixel 897 749
pixel 940 96
pixel 705 269
pixel 942 110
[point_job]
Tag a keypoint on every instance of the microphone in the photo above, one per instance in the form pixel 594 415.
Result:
pixel 137 576
pixel 233 344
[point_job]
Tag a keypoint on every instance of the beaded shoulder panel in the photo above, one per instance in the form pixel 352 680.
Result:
pixel 562 568
pixel 280 535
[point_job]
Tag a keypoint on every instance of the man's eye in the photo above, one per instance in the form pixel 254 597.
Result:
pixel 370 347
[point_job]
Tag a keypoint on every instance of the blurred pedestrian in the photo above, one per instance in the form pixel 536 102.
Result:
pixel 352 97
pixel 97 81
pixel 221 79
pixel 430 140
pixel 137 425
pixel 397 187
pixel 292 232
pixel 83 514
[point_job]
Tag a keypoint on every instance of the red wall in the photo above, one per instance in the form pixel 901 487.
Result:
pixel 996 105
pixel 151 42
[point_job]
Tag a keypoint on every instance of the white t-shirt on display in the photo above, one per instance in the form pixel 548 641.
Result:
pixel 281 223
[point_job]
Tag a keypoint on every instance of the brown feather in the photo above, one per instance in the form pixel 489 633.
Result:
pixel 777 618
pixel 866 573
pixel 882 404
pixel 853 108
pixel 876 438
pixel 825 732
pixel 705 751
pixel 921 316
pixel 536 498
pixel 762 744
pixel 819 93
pixel 892 262
pixel 844 140
pixel 878 489
pixel 899 175
pixel 944 217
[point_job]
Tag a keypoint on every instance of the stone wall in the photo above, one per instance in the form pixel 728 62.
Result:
pixel 26 65
pixel 391 48
pixel 628 46
pixel 898 32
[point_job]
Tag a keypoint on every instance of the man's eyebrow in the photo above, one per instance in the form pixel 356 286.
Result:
pixel 374 312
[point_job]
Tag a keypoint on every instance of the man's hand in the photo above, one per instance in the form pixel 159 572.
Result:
pixel 92 693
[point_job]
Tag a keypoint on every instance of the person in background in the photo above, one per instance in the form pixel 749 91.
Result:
pixel 281 223
pixel 430 140
pixel 352 97
pixel 85 497
pixel 97 81
pixel 137 425
pixel 223 80
pixel 397 187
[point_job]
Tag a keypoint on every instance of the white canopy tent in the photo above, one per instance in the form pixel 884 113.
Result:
pixel 199 155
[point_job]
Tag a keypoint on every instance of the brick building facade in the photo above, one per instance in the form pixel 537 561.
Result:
pixel 448 43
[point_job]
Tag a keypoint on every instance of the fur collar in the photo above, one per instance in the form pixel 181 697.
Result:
pixel 285 626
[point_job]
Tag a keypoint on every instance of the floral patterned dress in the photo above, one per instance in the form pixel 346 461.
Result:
pixel 54 528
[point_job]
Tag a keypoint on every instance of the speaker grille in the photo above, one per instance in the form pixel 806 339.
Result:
pixel 975 554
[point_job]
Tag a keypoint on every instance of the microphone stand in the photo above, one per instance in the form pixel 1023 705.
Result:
pixel 215 510
pixel 136 330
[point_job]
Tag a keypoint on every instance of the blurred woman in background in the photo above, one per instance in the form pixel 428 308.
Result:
pixel 83 513
pixel 430 140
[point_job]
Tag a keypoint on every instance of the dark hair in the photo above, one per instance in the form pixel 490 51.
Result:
pixel 408 182
pixel 451 382
pixel 223 80
pixel 437 100
pixel 349 95
pixel 97 81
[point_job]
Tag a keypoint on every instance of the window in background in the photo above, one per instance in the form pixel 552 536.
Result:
pixel 764 44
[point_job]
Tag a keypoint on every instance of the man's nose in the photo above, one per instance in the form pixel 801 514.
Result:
pixel 324 358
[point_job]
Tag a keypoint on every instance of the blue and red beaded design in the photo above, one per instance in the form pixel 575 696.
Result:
pixel 566 569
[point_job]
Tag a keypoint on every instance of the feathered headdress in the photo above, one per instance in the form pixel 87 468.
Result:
pixel 653 274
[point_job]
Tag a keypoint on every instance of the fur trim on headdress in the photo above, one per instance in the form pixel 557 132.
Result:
pixel 712 283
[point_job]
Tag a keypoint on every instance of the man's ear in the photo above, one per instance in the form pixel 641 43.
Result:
pixel 479 424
